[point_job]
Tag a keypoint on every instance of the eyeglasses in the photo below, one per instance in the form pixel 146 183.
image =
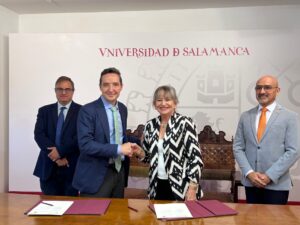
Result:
pixel 62 90
pixel 265 87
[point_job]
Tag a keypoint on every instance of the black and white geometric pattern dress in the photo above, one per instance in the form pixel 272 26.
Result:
pixel 181 150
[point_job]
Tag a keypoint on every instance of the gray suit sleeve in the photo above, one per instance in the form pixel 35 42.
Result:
pixel 291 149
pixel 239 147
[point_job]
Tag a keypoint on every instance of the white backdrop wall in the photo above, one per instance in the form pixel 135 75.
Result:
pixel 8 23
pixel 255 18
pixel 214 73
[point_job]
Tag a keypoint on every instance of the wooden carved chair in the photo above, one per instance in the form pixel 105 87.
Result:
pixel 219 162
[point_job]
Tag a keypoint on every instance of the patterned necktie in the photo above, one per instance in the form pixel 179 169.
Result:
pixel 118 160
pixel 262 123
pixel 59 125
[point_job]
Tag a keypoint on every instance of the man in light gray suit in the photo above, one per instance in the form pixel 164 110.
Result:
pixel 265 159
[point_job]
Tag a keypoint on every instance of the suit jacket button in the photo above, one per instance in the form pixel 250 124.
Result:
pixel 258 147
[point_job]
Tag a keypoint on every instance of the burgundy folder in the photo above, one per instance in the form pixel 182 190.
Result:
pixel 209 208
pixel 205 208
pixel 84 207
pixel 88 207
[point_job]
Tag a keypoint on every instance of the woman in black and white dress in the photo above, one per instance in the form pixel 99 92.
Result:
pixel 171 147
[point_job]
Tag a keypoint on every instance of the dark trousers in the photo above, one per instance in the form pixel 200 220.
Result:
pixel 163 190
pixel 112 186
pixel 59 183
pixel 256 195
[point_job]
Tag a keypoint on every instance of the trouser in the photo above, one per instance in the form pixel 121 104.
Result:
pixel 112 186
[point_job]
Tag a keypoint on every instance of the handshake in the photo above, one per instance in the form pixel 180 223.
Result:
pixel 132 149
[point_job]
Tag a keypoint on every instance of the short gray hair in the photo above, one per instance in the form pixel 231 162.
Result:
pixel 167 90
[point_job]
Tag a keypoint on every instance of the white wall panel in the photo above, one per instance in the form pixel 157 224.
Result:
pixel 214 79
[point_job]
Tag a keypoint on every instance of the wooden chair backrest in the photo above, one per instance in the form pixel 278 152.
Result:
pixel 216 151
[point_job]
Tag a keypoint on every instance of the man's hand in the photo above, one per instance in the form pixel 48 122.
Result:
pixel 264 177
pixel 126 149
pixel 62 162
pixel 257 180
pixel 53 155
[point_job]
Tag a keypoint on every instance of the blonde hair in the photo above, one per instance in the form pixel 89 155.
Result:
pixel 167 90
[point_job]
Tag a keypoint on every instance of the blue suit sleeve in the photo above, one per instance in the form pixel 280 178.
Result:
pixel 91 135
pixel 41 133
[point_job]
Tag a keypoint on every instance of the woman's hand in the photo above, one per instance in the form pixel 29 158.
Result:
pixel 191 192
pixel 137 151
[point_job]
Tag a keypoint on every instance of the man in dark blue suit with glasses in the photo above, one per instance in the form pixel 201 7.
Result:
pixel 56 135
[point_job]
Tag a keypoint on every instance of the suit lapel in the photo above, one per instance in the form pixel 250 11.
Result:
pixel 68 117
pixel 253 114
pixel 272 119
pixel 123 118
pixel 103 118
pixel 54 115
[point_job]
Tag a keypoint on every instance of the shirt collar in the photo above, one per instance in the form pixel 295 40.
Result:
pixel 107 105
pixel 67 105
pixel 269 107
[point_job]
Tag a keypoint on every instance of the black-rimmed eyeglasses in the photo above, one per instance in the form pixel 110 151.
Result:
pixel 265 87
pixel 63 90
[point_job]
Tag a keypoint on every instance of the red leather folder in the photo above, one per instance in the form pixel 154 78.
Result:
pixel 209 208
pixel 84 207
pixel 88 207
pixel 205 208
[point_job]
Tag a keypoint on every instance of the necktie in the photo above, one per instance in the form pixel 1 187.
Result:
pixel 59 125
pixel 262 123
pixel 118 160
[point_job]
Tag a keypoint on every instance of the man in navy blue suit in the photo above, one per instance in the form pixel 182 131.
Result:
pixel 102 142
pixel 56 134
